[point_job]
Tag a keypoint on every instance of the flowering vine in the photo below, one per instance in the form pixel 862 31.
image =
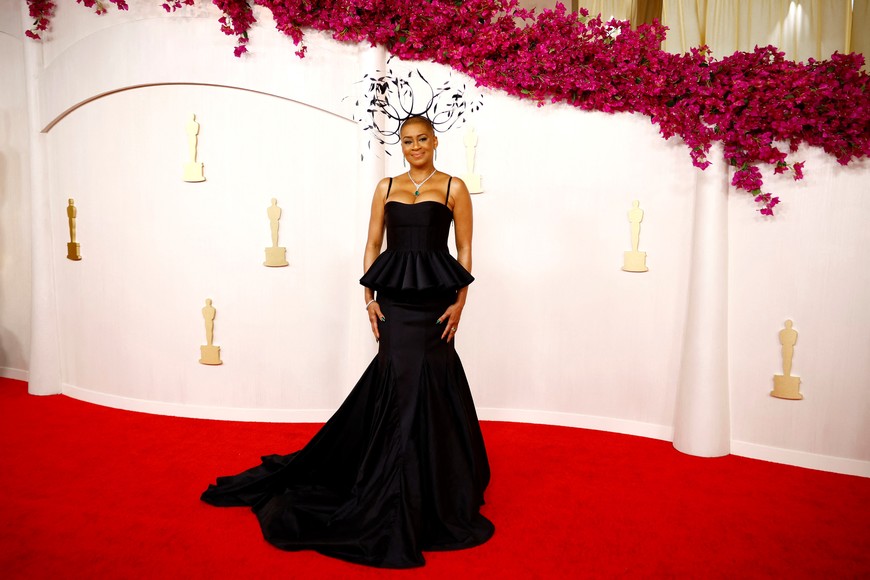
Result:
pixel 99 7
pixel 237 19
pixel 41 11
pixel 173 5
pixel 758 104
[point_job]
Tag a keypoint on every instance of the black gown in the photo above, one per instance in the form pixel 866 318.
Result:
pixel 401 467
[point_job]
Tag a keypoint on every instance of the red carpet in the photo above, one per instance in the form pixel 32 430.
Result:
pixel 92 492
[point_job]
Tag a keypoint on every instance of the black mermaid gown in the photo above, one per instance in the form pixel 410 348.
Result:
pixel 401 467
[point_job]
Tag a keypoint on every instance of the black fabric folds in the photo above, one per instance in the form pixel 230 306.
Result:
pixel 418 271
pixel 401 466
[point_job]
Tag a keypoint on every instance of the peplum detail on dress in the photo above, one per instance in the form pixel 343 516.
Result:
pixel 403 270
pixel 416 258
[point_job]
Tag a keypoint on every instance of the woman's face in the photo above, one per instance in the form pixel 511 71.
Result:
pixel 418 144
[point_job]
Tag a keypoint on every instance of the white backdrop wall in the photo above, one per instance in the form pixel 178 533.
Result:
pixel 554 331
pixel 154 248
pixel 810 265
pixel 14 199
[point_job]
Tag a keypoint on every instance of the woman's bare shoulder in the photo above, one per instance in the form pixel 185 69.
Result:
pixel 383 187
pixel 457 184
pixel 458 188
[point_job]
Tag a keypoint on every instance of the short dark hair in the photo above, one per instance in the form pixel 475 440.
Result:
pixel 418 119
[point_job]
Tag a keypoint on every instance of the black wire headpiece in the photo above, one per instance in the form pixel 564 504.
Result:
pixel 397 99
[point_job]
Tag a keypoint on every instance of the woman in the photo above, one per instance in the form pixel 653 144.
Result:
pixel 401 467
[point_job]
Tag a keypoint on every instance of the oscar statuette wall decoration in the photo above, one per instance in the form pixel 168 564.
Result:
pixel 275 256
pixel 635 261
pixel 192 169
pixel 786 386
pixel 209 353
pixel 73 250
pixel 471 179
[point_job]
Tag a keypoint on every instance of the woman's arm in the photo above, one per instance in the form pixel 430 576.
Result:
pixel 463 222
pixel 373 249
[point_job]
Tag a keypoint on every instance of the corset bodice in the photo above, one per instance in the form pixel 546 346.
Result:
pixel 416 257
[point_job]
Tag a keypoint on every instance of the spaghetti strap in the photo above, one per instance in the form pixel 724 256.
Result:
pixel 448 190
pixel 389 187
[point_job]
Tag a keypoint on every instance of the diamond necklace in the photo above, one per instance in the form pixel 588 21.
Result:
pixel 417 185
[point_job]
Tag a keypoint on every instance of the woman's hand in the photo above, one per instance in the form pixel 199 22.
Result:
pixel 375 314
pixel 451 317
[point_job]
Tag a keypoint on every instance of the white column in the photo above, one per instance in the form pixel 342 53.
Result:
pixel 702 418
pixel 45 374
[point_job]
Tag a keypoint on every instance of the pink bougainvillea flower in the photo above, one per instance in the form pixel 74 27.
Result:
pixel 798 170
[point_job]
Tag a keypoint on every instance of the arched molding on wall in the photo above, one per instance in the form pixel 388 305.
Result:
pixel 125 56
pixel 93 98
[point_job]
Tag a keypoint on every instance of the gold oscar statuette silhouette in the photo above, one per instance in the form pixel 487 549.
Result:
pixel 209 353
pixel 275 256
pixel 471 179
pixel 786 386
pixel 634 261
pixel 73 250
pixel 192 169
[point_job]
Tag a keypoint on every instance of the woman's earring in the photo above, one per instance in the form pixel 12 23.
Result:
pixel 403 161
pixel 436 155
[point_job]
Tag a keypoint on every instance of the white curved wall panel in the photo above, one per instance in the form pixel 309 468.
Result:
pixel 14 199
pixel 73 22
pixel 554 323
pixel 154 248
pixel 809 265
